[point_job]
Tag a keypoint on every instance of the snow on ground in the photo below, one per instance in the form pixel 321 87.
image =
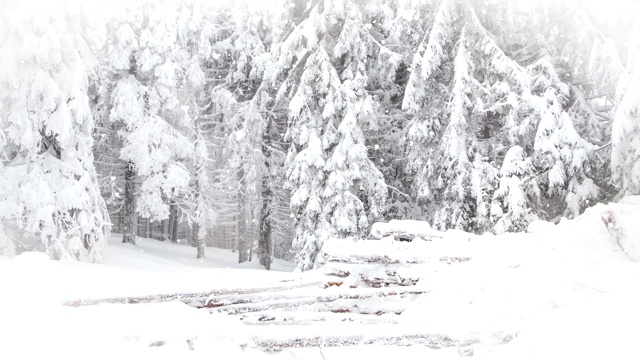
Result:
pixel 561 291
pixel 565 291
pixel 34 324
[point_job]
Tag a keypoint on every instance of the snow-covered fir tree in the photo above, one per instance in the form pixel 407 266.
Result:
pixel 452 168
pixel 262 130
pixel 49 195
pixel 495 105
pixel 145 108
pixel 191 29
pixel 396 29
pixel 243 134
pixel 625 155
pixel 510 210
pixel 559 151
pixel 337 190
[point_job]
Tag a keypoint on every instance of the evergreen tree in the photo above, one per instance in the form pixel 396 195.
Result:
pixel 425 99
pixel 49 194
pixel 559 151
pixel 262 130
pixel 457 143
pixel 241 101
pixel 452 168
pixel 625 155
pixel 396 29
pixel 337 190
pixel 510 210
pixel 148 115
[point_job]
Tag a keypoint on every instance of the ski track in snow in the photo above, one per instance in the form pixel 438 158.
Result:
pixel 561 291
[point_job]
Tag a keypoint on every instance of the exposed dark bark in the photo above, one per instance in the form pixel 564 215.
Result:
pixel 199 241
pixel 241 236
pixel 265 243
pixel 226 238
pixel 264 246
pixel 117 226
pixel 170 223
pixel 173 222
pixel 130 217
pixel 156 230
pixel 147 228
pixel 243 250
pixel 164 230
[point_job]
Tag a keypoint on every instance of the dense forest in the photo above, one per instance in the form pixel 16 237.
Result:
pixel 270 129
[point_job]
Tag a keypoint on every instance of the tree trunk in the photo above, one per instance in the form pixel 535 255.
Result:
pixel 130 217
pixel 173 220
pixel 236 232
pixel 156 230
pixel 242 234
pixel 264 243
pixel 199 241
pixel 147 228
pixel 164 230
pixel 118 222
pixel 227 246
pixel 170 225
pixel 250 229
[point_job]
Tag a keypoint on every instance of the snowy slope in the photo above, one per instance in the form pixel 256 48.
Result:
pixel 153 266
pixel 557 292
pixel 34 324
pixel 564 291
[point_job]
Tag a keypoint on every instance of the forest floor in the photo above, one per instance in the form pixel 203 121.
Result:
pixel 557 292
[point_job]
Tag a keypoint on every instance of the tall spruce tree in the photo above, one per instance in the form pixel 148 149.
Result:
pixel 625 166
pixel 337 190
pixel 49 194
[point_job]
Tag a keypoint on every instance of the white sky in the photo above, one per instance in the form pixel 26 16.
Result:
pixel 608 8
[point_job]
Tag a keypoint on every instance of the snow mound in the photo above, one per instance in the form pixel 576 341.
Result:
pixel 385 251
pixel 540 226
pixel 32 258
